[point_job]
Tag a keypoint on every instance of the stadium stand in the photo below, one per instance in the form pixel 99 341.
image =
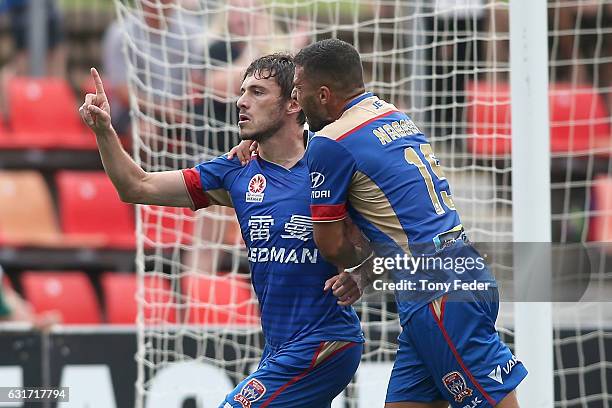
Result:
pixel 89 206
pixel 177 225
pixel 27 217
pixel 3 129
pixel 119 294
pixel 219 299
pixel 600 228
pixel 579 120
pixel 43 114
pixel 488 119
pixel 69 293
pixel 6 282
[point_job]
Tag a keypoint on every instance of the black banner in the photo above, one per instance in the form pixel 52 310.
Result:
pixel 99 367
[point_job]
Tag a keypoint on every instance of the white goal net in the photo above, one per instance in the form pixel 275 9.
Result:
pixel 446 63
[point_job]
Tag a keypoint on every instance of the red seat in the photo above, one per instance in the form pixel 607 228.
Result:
pixel 2 126
pixel 219 299
pixel 6 137
pixel 43 114
pixel 69 293
pixel 120 291
pixel 89 205
pixel 27 216
pixel 600 226
pixel 578 119
pixel 488 118
pixel 6 282
pixel 175 225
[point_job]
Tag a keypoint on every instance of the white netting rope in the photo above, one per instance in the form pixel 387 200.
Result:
pixel 444 62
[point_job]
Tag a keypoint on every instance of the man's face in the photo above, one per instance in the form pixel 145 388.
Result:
pixel 307 96
pixel 262 110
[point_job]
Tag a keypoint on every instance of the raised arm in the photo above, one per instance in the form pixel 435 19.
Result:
pixel 133 184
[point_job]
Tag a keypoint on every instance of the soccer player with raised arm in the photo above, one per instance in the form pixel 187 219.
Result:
pixel 370 162
pixel 313 339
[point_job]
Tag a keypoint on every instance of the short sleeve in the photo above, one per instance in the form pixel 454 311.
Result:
pixel 209 182
pixel 331 169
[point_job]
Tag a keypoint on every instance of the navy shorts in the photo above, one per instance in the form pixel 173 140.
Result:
pixel 449 350
pixel 299 375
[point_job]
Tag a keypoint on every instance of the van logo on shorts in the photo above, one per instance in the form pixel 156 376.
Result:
pixel 456 385
pixel 250 392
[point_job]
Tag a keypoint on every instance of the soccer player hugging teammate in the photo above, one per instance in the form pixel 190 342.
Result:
pixel 369 161
pixel 313 338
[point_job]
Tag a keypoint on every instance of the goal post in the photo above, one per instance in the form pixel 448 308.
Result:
pixel 531 220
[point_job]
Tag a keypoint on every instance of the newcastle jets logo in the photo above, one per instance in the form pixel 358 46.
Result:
pixel 316 179
pixel 251 392
pixel 257 185
pixel 456 385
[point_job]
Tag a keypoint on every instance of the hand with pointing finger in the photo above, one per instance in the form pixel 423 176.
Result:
pixel 95 112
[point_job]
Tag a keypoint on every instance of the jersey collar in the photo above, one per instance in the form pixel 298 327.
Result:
pixel 263 162
pixel 357 100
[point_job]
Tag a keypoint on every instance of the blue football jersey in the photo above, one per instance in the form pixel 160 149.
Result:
pixel 375 165
pixel 287 271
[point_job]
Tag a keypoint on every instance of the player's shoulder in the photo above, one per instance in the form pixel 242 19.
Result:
pixel 321 143
pixel 367 109
pixel 234 162
pixel 220 165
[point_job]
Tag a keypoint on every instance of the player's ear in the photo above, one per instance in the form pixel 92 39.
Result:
pixel 294 107
pixel 325 95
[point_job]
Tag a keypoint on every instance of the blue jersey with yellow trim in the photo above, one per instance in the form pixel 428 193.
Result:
pixel 375 165
pixel 287 270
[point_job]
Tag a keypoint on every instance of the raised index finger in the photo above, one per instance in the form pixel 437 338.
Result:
pixel 97 82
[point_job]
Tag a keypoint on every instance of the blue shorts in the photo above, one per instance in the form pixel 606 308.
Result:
pixel 304 374
pixel 449 350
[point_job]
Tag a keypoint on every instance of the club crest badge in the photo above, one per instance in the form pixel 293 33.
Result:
pixel 250 392
pixel 456 385
pixel 255 190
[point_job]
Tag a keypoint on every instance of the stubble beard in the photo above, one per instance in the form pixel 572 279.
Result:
pixel 261 136
pixel 315 122
pixel 316 126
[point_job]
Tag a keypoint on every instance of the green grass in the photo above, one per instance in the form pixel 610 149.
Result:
pixel 105 5
pixel 344 7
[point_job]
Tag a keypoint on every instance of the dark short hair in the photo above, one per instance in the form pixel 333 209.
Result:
pixel 332 62
pixel 279 66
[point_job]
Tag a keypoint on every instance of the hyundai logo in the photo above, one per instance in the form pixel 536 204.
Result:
pixel 316 179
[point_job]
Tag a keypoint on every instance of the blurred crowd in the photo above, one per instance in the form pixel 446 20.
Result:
pixel 580 50
pixel 193 64
pixel 178 51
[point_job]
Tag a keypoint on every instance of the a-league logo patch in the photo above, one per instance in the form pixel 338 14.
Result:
pixel 255 192
pixel 250 392
pixel 456 385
